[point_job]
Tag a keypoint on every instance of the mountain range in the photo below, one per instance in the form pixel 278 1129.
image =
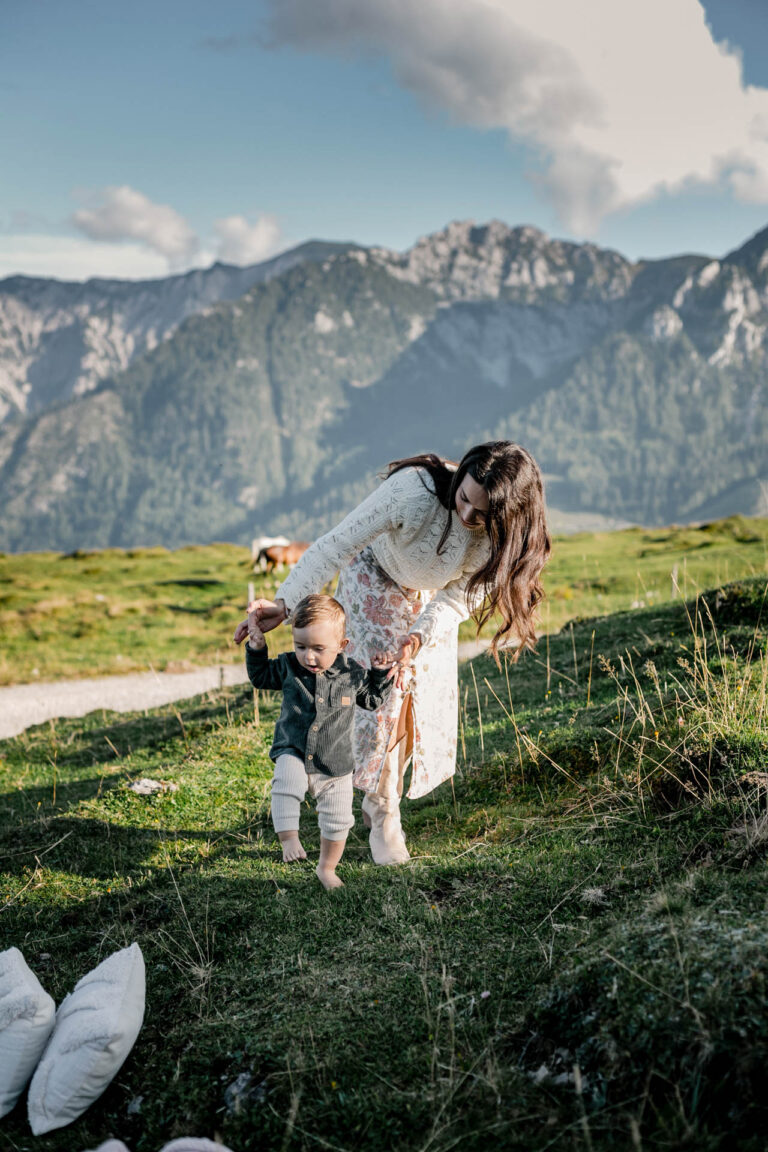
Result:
pixel 230 401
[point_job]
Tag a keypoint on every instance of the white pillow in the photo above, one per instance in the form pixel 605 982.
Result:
pixel 193 1144
pixel 96 1027
pixel 27 1014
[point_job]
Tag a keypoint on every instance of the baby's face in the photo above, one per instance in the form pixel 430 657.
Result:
pixel 318 645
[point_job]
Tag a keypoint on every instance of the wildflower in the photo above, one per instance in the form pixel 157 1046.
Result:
pixel 593 895
pixel 484 995
pixel 334 1085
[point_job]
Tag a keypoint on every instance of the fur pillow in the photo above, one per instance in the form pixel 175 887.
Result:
pixel 27 1014
pixel 96 1027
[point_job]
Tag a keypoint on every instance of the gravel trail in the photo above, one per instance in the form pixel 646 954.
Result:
pixel 23 705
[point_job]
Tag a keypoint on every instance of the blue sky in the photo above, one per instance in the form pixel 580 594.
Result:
pixel 143 138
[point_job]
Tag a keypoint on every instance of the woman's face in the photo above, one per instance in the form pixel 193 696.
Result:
pixel 471 503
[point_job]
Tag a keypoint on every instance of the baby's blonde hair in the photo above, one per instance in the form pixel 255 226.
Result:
pixel 317 606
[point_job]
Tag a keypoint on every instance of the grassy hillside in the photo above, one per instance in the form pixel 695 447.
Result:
pixel 575 958
pixel 96 613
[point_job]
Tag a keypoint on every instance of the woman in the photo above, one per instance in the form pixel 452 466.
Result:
pixel 435 543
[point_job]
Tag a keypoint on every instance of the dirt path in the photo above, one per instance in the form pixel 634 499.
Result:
pixel 24 705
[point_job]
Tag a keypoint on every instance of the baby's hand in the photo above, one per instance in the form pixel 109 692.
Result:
pixel 383 660
pixel 255 634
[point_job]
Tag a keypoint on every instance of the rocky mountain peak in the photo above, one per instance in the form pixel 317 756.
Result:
pixel 466 261
pixel 752 256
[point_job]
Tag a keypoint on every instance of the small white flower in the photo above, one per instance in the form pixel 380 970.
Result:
pixel 593 895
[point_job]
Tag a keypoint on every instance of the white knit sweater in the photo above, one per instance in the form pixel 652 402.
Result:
pixel 402 521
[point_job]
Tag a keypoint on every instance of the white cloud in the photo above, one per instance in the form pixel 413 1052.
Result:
pixel 131 238
pixel 123 213
pixel 620 98
pixel 70 258
pixel 242 243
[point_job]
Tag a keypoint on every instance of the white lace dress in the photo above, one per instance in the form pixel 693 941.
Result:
pixel 393 582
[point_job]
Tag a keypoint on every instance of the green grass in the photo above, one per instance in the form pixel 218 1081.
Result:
pixel 97 613
pixel 575 958
pixel 593 574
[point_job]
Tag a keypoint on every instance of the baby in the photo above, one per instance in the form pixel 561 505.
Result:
pixel 312 747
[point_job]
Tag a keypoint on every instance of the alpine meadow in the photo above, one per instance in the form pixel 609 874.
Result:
pixel 574 957
pixel 384 576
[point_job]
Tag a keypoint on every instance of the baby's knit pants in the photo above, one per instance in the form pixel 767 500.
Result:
pixel 333 794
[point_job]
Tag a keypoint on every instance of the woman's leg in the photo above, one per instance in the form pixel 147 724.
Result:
pixel 381 809
pixel 396 758
pixel 379 613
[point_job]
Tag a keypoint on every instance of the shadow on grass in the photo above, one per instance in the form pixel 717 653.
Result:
pixel 100 849
pixel 38 805
pixel 95 743
pixel 246 980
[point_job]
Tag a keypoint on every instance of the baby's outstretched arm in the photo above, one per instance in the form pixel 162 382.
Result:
pixel 262 672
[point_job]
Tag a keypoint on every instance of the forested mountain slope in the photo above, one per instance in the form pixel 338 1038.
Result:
pixel 639 387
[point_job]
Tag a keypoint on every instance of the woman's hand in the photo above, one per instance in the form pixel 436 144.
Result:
pixel 269 613
pixel 409 647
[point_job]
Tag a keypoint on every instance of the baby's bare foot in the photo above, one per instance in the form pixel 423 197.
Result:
pixel 328 878
pixel 293 850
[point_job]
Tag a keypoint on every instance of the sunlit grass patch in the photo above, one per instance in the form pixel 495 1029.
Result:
pixel 87 614
pixel 113 611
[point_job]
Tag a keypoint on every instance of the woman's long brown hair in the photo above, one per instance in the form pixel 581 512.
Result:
pixel 516 524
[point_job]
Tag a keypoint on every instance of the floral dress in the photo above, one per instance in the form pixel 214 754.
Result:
pixel 379 614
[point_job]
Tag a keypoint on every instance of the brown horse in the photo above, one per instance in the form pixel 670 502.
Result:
pixel 259 543
pixel 281 554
